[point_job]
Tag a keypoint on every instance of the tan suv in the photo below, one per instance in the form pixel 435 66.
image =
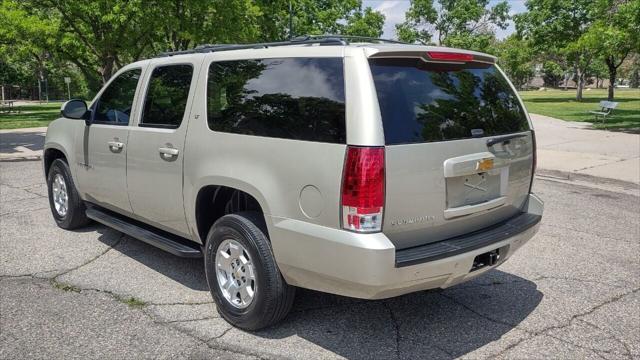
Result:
pixel 363 168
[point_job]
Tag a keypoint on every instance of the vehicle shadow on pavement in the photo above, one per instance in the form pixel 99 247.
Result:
pixel 187 272
pixel 429 324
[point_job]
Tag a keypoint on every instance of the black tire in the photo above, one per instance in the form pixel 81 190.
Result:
pixel 273 296
pixel 75 216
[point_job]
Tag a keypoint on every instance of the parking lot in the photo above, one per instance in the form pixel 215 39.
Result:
pixel 572 292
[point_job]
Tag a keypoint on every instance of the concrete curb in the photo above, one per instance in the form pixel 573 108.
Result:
pixel 571 176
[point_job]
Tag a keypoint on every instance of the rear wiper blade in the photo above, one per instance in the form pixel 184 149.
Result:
pixel 504 138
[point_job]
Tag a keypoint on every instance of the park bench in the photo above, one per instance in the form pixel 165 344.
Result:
pixel 606 107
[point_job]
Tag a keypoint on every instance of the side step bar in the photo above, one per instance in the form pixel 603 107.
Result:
pixel 161 239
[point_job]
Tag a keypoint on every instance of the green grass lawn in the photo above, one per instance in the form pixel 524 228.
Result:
pixel 32 115
pixel 562 104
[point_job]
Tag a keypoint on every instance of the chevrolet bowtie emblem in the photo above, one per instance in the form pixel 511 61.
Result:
pixel 484 165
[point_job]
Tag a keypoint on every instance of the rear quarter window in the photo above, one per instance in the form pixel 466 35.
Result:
pixel 290 98
pixel 427 102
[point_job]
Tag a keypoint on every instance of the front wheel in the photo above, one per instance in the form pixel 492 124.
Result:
pixel 242 274
pixel 66 205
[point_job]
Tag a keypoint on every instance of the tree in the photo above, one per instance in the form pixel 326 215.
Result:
pixel 515 57
pixel 461 23
pixel 184 24
pixel 98 37
pixel 25 47
pixel 598 69
pixel 365 22
pixel 630 69
pixel 614 35
pixel 557 27
pixel 119 31
pixel 552 73
pixel 316 17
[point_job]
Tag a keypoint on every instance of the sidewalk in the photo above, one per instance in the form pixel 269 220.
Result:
pixel 571 148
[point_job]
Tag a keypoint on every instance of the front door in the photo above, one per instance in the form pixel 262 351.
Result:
pixel 156 148
pixel 102 157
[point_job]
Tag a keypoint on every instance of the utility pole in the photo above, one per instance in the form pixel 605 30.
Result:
pixel 290 21
pixel 67 80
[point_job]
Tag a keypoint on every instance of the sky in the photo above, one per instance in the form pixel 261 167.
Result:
pixel 394 12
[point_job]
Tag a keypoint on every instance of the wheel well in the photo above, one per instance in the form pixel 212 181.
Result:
pixel 49 156
pixel 213 202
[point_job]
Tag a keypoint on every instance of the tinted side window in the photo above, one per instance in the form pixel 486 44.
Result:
pixel 114 105
pixel 167 95
pixel 424 102
pixel 292 98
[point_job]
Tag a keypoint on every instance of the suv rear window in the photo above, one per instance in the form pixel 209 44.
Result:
pixel 426 102
pixel 290 98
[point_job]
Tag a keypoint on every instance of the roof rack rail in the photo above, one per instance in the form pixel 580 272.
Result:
pixel 227 47
pixel 349 38
pixel 300 40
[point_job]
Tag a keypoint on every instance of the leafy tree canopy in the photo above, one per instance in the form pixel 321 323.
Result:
pixel 516 59
pixel 582 31
pixel 460 23
pixel 98 37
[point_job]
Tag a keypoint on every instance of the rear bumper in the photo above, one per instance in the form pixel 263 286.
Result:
pixel 368 265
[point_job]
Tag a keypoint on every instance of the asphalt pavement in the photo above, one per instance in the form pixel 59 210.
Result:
pixel 571 292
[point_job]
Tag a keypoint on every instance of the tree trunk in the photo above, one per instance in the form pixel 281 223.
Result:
pixel 580 86
pixel 579 82
pixel 613 70
pixel 106 70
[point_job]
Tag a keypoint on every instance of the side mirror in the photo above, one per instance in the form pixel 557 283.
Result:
pixel 75 109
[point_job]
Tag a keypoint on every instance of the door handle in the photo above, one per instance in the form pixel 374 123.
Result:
pixel 168 152
pixel 115 146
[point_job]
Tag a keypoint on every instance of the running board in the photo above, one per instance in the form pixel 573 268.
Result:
pixel 161 239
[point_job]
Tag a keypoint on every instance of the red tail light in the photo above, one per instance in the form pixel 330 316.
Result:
pixel 363 189
pixel 449 56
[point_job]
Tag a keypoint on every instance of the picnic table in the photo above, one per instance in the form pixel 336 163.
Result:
pixel 8 106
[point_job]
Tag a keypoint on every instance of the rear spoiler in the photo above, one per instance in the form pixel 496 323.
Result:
pixel 439 55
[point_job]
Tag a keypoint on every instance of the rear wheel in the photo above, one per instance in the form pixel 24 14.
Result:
pixel 66 206
pixel 242 274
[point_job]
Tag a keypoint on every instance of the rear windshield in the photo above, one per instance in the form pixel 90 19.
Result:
pixel 425 102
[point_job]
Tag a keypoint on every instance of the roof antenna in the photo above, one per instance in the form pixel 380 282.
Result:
pixel 290 21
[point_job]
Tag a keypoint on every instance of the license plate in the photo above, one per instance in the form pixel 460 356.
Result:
pixel 476 188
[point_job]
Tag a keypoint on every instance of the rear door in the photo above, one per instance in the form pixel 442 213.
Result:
pixel 458 147
pixel 156 147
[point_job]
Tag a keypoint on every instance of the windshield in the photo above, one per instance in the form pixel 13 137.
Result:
pixel 426 102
